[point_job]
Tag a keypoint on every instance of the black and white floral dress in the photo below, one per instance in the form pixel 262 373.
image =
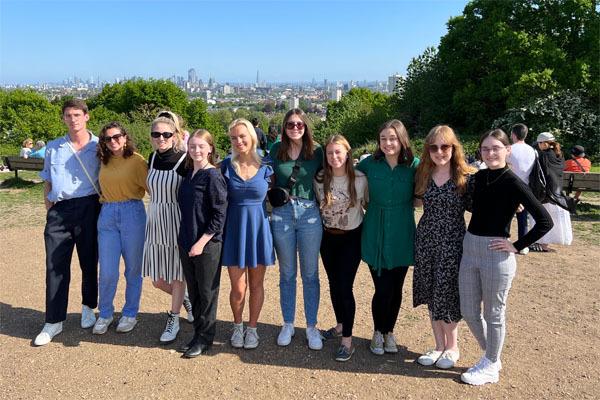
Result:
pixel 438 250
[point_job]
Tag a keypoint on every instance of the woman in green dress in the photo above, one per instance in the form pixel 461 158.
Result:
pixel 387 244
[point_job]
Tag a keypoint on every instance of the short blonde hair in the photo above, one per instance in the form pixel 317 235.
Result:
pixel 177 138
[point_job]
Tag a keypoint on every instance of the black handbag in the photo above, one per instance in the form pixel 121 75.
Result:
pixel 279 196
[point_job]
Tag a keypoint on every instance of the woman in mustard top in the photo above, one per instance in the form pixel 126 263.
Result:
pixel 121 225
pixel 387 244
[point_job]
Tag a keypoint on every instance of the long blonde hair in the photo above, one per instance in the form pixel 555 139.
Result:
pixel 326 176
pixel 204 135
pixel 178 144
pixel 459 169
pixel 234 153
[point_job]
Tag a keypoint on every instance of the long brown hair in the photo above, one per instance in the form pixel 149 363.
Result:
pixel 204 135
pixel 103 153
pixel 555 146
pixel 405 156
pixel 326 176
pixel 459 169
pixel 308 142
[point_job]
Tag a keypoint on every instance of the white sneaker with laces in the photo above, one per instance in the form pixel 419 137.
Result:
pixel 481 373
pixel 524 251
pixel 187 304
pixel 429 358
pixel 389 343
pixel 101 325
pixel 88 318
pixel 126 324
pixel 251 339
pixel 286 334
pixel 237 336
pixel 448 359
pixel 313 336
pixel 171 328
pixel 47 334
pixel 377 344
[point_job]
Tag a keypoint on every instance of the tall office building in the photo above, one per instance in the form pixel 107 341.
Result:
pixel 294 102
pixel 257 79
pixel 192 77
pixel 394 83
pixel 336 94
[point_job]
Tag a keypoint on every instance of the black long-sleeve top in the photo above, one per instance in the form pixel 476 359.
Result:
pixel 167 160
pixel 203 205
pixel 553 166
pixel 496 196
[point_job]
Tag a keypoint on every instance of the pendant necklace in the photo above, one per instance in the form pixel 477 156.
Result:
pixel 487 177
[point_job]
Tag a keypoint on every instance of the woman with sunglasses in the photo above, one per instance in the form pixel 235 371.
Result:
pixel 183 134
pixel 296 225
pixel 121 224
pixel 161 254
pixel 387 244
pixel 342 193
pixel 441 184
pixel 488 263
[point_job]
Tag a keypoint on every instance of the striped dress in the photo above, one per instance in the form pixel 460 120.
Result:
pixel 161 253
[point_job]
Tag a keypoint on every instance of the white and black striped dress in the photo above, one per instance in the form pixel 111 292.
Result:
pixel 161 253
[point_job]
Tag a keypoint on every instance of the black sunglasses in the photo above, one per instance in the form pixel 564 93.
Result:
pixel 113 137
pixel 166 135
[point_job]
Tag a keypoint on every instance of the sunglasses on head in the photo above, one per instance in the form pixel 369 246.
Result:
pixel 292 125
pixel 434 148
pixel 166 135
pixel 113 137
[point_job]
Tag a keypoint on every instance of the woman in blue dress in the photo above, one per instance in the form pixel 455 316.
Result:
pixel 248 243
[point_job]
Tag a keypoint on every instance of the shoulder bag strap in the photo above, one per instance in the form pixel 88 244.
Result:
pixel 83 166
pixel 293 177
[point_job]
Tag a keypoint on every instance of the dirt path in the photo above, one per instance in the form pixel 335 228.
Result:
pixel 552 348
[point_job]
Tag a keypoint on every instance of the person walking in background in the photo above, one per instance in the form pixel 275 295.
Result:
pixel 441 183
pixel 71 197
pixel 261 137
pixel 488 263
pixel 342 193
pixel 521 159
pixel 121 225
pixel 248 242
pixel 387 243
pixel 296 224
pixel 203 204
pixel 161 259
pixel 578 163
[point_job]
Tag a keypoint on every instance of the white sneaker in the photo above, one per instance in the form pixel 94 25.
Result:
pixel 377 344
pixel 47 334
pixel 237 336
pixel 481 373
pixel 313 336
pixel 448 359
pixel 171 328
pixel 429 358
pixel 101 326
pixel 286 334
pixel 126 324
pixel 524 251
pixel 251 339
pixel 187 304
pixel 88 318
pixel 389 345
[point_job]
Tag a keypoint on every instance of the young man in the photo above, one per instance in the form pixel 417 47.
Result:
pixel 521 159
pixel 71 196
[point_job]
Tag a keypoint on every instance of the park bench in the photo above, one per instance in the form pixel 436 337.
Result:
pixel 583 182
pixel 16 163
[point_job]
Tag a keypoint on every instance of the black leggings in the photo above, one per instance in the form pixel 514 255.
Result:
pixel 387 299
pixel 341 256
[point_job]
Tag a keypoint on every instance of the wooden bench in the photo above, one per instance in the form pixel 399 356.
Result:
pixel 578 181
pixel 16 163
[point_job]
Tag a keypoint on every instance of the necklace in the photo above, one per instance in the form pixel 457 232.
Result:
pixel 487 177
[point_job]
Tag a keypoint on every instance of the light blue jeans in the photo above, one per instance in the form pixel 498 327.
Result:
pixel 121 228
pixel 297 229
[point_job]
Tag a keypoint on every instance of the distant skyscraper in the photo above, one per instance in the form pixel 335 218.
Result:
pixel 336 94
pixel 192 77
pixel 257 79
pixel 393 83
pixel 227 89
pixel 325 84
pixel 294 102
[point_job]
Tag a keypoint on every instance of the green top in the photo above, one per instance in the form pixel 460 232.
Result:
pixel 388 235
pixel 308 169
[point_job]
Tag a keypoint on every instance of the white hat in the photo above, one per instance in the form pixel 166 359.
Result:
pixel 545 137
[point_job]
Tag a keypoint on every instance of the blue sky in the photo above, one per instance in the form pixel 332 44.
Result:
pixel 42 41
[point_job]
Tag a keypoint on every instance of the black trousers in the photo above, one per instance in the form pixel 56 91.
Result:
pixel 71 223
pixel 387 299
pixel 341 256
pixel 203 277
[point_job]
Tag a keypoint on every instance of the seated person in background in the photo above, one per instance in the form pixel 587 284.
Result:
pixel 39 150
pixel 26 149
pixel 578 163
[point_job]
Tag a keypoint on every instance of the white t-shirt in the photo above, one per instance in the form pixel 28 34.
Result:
pixel 521 159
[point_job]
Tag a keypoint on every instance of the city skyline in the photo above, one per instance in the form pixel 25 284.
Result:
pixel 282 42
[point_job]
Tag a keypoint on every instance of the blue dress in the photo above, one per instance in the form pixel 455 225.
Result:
pixel 247 241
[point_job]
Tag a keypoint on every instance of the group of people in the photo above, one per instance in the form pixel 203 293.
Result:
pixel 203 215
pixel 29 150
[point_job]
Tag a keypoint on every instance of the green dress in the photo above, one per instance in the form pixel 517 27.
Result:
pixel 388 235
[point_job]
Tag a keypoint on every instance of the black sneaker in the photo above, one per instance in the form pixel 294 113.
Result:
pixel 330 334
pixel 344 353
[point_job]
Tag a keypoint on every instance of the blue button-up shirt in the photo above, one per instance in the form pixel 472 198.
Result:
pixel 64 172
